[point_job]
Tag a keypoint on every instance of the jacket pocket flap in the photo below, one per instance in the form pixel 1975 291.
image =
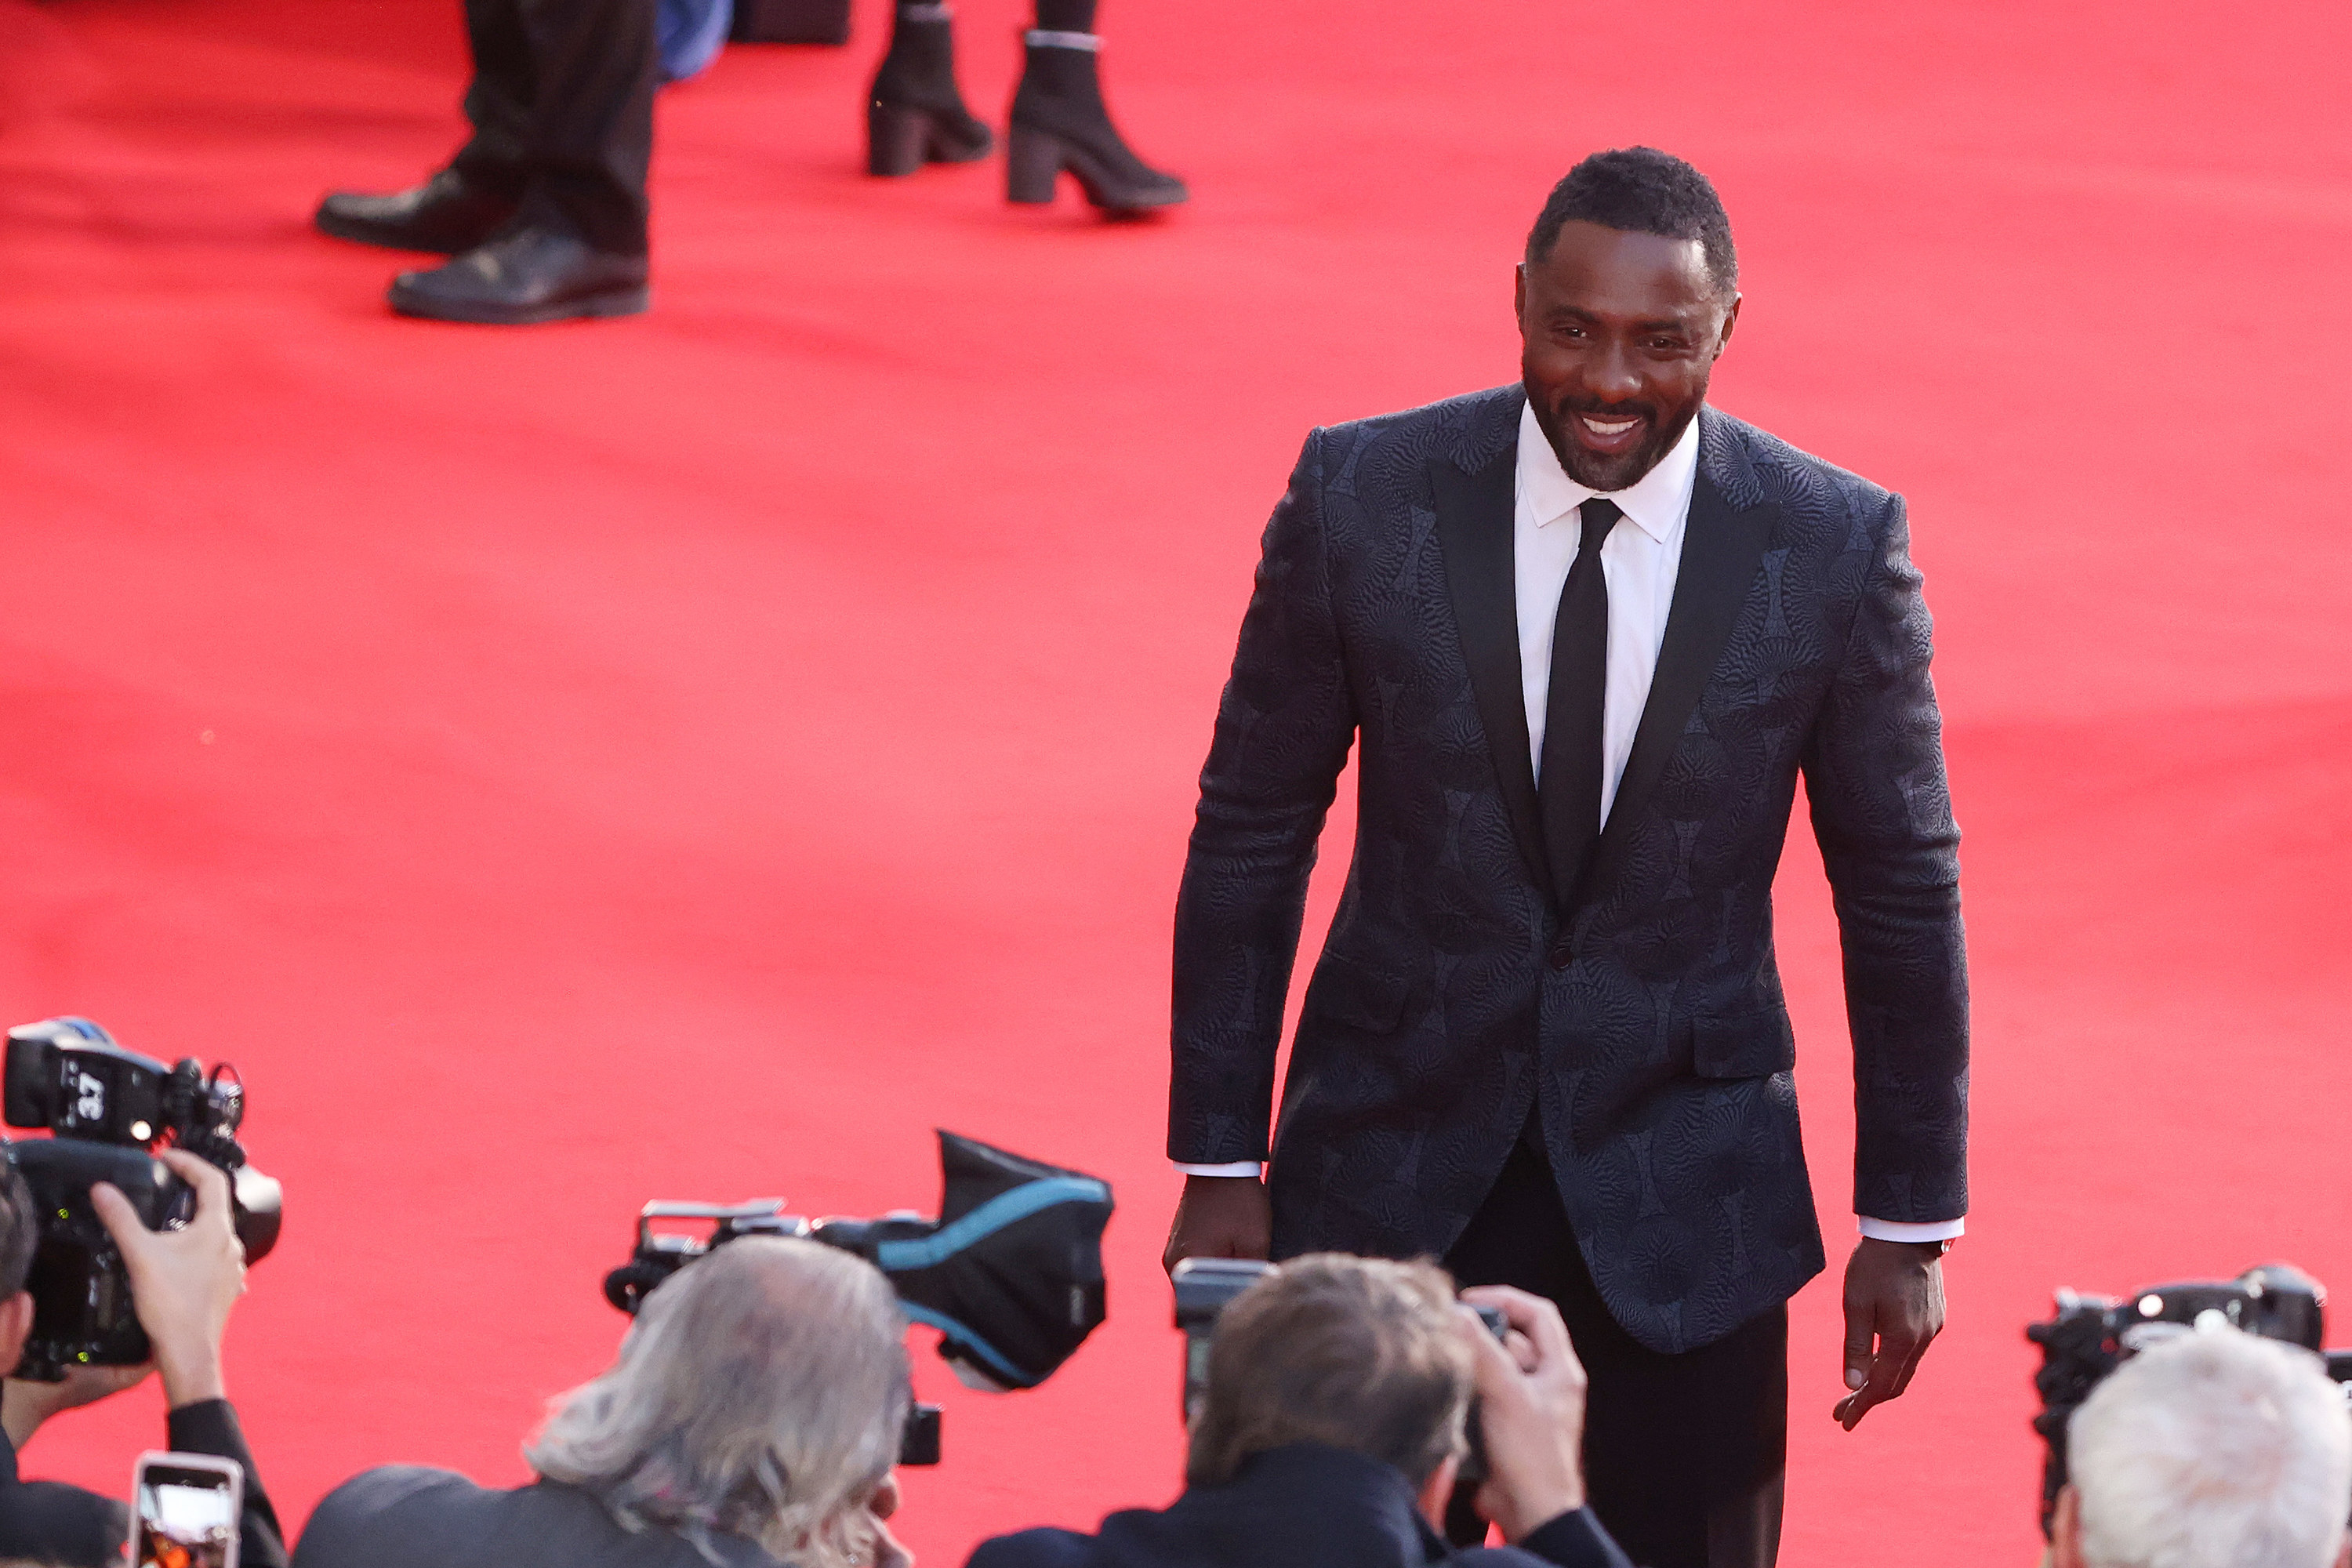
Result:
pixel 1743 1045
pixel 1358 996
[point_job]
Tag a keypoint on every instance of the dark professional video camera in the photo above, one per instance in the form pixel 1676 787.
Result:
pixel 1011 1272
pixel 2092 1335
pixel 107 1110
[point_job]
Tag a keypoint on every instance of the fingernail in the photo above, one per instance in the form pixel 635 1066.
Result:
pixel 1855 1378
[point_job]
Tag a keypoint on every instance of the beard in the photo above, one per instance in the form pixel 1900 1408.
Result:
pixel 1606 471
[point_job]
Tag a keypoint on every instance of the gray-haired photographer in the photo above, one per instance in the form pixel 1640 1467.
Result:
pixel 2210 1451
pixel 760 1403
pixel 753 1417
pixel 2196 1425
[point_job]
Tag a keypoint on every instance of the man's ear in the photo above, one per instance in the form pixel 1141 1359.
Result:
pixel 1519 296
pixel 1438 1490
pixel 16 1322
pixel 2067 1529
pixel 2344 1558
pixel 1730 320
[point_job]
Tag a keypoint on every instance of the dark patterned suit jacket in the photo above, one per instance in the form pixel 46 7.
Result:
pixel 1643 1023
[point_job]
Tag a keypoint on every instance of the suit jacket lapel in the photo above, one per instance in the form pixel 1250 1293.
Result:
pixel 1723 546
pixel 1474 531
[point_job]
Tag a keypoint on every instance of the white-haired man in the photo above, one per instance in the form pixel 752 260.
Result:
pixel 2211 1450
pixel 751 1419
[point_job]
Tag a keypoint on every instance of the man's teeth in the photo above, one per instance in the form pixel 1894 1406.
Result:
pixel 1607 426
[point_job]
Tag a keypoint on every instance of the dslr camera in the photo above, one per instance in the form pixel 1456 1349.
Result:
pixel 1009 1272
pixel 2090 1336
pixel 107 1110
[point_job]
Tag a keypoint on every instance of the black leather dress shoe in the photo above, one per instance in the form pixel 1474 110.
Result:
pixel 445 214
pixel 529 276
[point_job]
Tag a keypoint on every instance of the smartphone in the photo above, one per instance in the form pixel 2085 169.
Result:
pixel 189 1506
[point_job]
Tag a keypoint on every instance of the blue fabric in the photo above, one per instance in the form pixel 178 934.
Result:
pixel 1005 1208
pixel 690 33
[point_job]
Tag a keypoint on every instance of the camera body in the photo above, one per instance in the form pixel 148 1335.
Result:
pixel 1205 1287
pixel 106 1110
pixel 1009 1272
pixel 2090 1336
pixel 662 1253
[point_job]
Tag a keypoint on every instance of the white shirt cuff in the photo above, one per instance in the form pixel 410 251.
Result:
pixel 1232 1168
pixel 1896 1230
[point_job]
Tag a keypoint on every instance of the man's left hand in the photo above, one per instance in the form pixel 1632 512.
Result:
pixel 1894 1310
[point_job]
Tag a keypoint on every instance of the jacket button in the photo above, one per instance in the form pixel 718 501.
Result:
pixel 1562 956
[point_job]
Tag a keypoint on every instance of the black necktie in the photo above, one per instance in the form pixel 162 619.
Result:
pixel 1574 708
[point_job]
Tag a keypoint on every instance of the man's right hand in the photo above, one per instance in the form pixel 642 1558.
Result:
pixel 1530 1410
pixel 1219 1216
pixel 183 1282
pixel 886 1551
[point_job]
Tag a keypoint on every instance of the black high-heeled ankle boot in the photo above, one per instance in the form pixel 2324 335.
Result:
pixel 1060 123
pixel 915 113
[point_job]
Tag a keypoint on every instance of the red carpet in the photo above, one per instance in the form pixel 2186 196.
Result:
pixel 696 755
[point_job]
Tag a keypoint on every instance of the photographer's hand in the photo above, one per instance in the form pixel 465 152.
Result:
pixel 1894 1310
pixel 1219 1216
pixel 25 1403
pixel 1531 1411
pixel 183 1282
pixel 887 1552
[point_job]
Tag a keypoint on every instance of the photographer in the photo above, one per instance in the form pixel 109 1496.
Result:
pixel 184 1284
pixel 1333 1430
pixel 752 1418
pixel 2211 1450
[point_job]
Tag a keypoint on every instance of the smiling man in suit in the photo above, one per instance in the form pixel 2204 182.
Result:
pixel 1588 633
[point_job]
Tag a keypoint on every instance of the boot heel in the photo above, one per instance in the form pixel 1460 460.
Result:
pixel 896 138
pixel 1032 163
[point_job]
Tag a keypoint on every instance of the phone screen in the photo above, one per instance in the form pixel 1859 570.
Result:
pixel 187 1518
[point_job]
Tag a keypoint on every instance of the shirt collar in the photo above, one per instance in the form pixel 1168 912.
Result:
pixel 1657 503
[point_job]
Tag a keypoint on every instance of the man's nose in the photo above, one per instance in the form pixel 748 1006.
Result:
pixel 1610 375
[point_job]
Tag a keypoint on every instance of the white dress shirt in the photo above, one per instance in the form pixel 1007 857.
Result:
pixel 1639 562
pixel 1642 557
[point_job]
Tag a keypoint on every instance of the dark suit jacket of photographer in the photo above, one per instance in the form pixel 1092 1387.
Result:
pixel 48 1522
pixel 1302 1506
pixel 1643 1021
pixel 407 1516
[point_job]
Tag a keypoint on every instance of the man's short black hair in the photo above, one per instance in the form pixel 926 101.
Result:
pixel 1640 190
pixel 19 1229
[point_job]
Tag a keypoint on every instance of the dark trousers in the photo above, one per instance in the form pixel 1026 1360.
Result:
pixel 1684 1455
pixel 563 107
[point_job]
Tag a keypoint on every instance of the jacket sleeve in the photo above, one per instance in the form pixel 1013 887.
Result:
pixel 1573 1539
pixel 1883 813
pixel 1283 727
pixel 1033 1549
pixel 210 1427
